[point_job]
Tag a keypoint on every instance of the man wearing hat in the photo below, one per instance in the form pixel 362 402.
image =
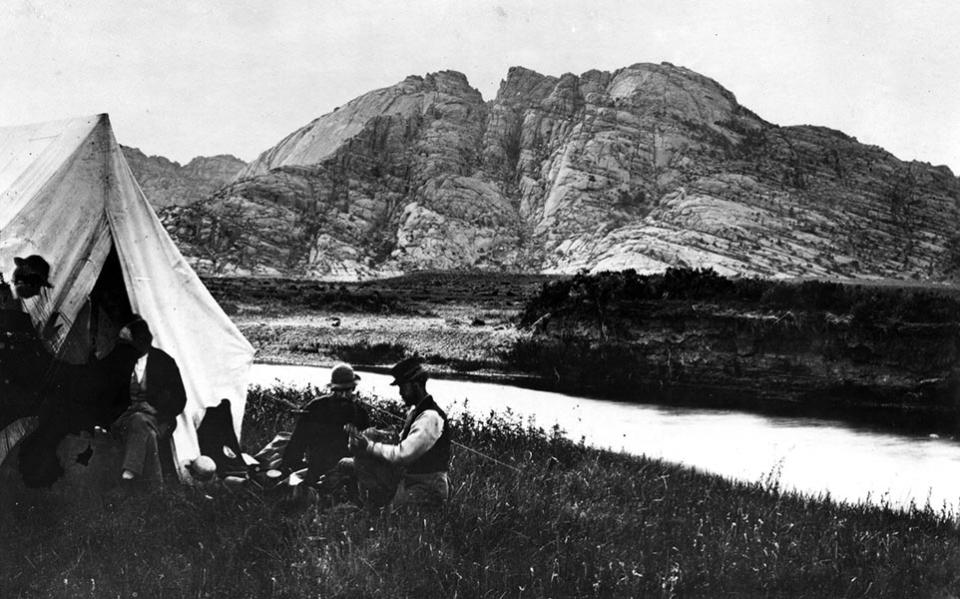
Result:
pixel 319 438
pixel 31 276
pixel 424 448
pixel 26 359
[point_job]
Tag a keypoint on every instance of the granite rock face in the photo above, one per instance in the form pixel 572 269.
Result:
pixel 645 167
pixel 166 183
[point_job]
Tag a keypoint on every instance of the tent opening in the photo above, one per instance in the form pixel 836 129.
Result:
pixel 109 305
pixel 68 195
pixel 94 329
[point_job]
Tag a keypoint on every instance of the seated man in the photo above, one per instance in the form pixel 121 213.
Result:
pixel 319 438
pixel 79 398
pixel 156 397
pixel 424 448
pixel 36 382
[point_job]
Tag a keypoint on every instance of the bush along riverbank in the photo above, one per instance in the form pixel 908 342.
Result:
pixel 572 522
pixel 693 335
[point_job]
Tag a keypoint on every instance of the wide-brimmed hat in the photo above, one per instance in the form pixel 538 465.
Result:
pixel 407 369
pixel 343 377
pixel 34 267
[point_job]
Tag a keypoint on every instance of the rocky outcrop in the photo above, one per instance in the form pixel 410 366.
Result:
pixel 695 337
pixel 166 183
pixel 645 167
pixel 397 191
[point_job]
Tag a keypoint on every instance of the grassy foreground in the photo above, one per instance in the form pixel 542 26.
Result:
pixel 574 522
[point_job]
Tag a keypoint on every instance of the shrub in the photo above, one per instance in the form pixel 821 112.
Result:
pixel 600 295
pixel 364 352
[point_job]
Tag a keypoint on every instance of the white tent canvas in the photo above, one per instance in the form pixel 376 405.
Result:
pixel 68 195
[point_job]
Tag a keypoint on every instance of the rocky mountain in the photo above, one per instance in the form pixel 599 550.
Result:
pixel 649 166
pixel 166 183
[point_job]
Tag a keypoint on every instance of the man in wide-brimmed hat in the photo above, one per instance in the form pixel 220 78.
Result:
pixel 30 276
pixel 424 448
pixel 319 439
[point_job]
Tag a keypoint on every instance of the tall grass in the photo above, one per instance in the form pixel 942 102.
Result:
pixel 573 522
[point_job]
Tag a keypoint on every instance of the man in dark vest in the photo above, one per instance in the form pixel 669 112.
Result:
pixel 153 395
pixel 424 448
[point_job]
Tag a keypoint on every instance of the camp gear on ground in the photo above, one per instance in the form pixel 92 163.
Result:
pixel 271 456
pixel 218 441
pixel 203 468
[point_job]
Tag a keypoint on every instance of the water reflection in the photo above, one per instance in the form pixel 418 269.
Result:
pixel 814 456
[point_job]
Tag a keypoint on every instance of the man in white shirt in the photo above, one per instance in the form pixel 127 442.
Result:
pixel 155 397
pixel 424 448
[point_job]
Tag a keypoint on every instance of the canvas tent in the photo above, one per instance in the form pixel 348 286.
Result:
pixel 68 195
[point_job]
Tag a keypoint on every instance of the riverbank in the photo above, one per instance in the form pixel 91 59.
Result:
pixel 883 353
pixel 695 336
pixel 460 323
pixel 853 461
pixel 574 522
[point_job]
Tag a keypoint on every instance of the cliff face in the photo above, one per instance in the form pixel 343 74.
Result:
pixel 396 189
pixel 699 337
pixel 645 167
pixel 166 183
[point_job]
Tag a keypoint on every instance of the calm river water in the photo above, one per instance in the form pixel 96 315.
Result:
pixel 811 455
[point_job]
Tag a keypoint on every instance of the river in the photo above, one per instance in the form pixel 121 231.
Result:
pixel 813 456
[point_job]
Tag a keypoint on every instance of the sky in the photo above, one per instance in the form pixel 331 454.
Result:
pixel 182 78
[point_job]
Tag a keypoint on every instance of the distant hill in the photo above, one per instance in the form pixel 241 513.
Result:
pixel 645 167
pixel 166 183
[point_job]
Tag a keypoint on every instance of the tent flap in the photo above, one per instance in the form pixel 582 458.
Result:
pixel 67 193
